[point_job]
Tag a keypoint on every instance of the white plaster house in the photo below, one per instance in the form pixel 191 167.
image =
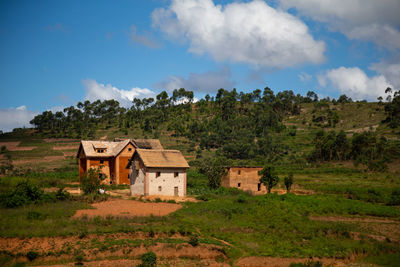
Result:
pixel 158 172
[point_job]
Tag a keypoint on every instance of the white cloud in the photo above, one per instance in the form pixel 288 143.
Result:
pixel 209 81
pixel 391 70
pixel 252 33
pixel 95 91
pixel 304 77
pixel 15 118
pixel 355 83
pixel 369 20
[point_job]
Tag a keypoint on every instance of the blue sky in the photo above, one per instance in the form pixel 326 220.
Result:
pixel 56 53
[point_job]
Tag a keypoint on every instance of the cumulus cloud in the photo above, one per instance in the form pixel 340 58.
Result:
pixel 369 20
pixel 15 118
pixel 390 69
pixel 145 39
pixel 355 83
pixel 95 91
pixel 252 33
pixel 209 81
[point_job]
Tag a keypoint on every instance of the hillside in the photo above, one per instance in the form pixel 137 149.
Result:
pixel 344 208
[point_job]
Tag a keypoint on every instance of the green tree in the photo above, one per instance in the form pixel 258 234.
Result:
pixel 268 177
pixel 288 182
pixel 91 181
pixel 214 171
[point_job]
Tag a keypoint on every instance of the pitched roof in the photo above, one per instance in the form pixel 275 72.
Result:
pixel 162 158
pixel 110 148
pixel 113 148
pixel 148 144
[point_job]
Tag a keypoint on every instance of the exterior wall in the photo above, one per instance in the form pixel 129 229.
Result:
pixel 121 163
pixel 82 163
pixel 82 167
pixel 95 163
pixel 244 178
pixel 167 182
pixel 137 181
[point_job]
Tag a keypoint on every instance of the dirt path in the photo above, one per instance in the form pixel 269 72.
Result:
pixel 128 208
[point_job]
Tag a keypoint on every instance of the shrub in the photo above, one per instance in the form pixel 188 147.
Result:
pixel 62 194
pixel 241 199
pixel 194 241
pixel 149 259
pixel 91 181
pixel 395 197
pixel 24 193
pixel 32 255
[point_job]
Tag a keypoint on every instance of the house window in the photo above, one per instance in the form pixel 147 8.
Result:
pixel 176 174
pixel 101 161
pixel 158 174
pixel 239 184
pixel 239 172
pixel 159 189
pixel 130 149
pixel 100 150
pixel 259 187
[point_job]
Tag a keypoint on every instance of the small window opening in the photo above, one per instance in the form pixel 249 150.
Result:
pixel 239 184
pixel 239 172
pixel 259 187
pixel 176 174
pixel 158 174
pixel 130 149
pixel 101 161
pixel 159 188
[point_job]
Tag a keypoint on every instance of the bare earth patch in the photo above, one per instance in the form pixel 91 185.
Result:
pixel 60 140
pixel 40 160
pixel 284 262
pixel 128 208
pixel 14 146
pixel 65 147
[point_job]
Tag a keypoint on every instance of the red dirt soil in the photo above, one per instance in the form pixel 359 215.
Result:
pixel 128 208
pixel 66 147
pixel 283 262
pixel 14 146
pixel 38 160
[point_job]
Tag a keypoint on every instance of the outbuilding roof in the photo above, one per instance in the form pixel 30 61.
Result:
pixel 148 144
pixel 162 158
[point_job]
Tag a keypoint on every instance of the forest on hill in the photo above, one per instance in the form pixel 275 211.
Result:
pixel 237 126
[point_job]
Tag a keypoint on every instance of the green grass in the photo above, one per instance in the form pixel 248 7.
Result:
pixel 388 260
pixel 270 225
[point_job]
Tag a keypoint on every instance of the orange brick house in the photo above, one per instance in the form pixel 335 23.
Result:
pixel 112 157
pixel 245 178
